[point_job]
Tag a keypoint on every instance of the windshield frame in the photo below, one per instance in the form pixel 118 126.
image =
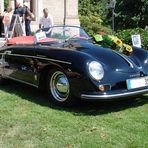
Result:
pixel 65 38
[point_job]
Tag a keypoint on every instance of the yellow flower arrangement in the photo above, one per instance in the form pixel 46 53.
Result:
pixel 116 40
pixel 113 42
pixel 128 48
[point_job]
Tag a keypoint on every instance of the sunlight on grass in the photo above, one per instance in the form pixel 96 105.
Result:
pixel 28 120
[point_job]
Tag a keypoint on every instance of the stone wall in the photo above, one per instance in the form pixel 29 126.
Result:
pixel 56 9
pixel 1 6
pixel 63 9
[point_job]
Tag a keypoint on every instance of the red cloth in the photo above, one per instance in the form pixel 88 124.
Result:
pixel 27 40
pixel 102 33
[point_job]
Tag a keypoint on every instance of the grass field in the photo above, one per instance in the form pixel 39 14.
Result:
pixel 28 120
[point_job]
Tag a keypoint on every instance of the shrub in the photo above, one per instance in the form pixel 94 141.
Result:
pixel 93 24
pixel 125 36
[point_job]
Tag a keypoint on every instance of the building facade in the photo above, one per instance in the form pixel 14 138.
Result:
pixel 1 6
pixel 63 11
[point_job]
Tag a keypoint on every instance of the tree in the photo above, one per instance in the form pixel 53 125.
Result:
pixel 131 14
pixel 5 3
pixel 92 15
pixel 128 13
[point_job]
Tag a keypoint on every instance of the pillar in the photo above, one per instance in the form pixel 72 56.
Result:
pixel 21 2
pixel 72 17
pixel 1 6
pixel 39 9
pixel 56 9
pixel 12 3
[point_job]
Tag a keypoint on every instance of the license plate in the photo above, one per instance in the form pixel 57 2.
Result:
pixel 137 82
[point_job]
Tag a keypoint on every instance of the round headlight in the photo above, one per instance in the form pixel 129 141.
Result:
pixel 96 70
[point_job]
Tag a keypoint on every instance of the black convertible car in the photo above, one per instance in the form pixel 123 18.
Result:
pixel 69 66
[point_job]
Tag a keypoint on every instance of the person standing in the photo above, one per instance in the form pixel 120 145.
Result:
pixel 1 24
pixel 7 20
pixel 28 17
pixel 19 10
pixel 47 20
pixel 2 13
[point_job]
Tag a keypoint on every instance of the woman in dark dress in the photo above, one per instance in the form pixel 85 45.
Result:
pixel 1 25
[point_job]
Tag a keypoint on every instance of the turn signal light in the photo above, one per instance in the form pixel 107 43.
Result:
pixel 104 88
pixel 101 88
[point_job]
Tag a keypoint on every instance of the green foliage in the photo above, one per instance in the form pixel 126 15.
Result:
pixel 125 36
pixel 28 120
pixel 128 14
pixel 91 7
pixel 93 24
pixel 103 11
pixel 92 14
pixel 5 3
pixel 88 7
pixel 131 14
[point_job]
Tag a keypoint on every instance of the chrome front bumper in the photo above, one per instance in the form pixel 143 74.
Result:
pixel 113 94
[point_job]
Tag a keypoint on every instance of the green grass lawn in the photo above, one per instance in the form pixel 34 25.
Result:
pixel 28 120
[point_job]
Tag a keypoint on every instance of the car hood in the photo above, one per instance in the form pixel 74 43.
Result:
pixel 108 57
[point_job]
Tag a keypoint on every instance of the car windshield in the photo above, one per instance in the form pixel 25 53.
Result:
pixel 64 33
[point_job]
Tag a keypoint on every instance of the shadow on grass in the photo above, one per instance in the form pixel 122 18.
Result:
pixel 84 108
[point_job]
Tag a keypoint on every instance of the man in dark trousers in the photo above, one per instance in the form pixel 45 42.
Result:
pixel 28 17
pixel 1 25
pixel 20 11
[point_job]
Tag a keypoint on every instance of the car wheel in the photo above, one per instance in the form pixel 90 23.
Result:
pixel 58 87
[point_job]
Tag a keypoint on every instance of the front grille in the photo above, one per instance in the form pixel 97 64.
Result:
pixel 119 85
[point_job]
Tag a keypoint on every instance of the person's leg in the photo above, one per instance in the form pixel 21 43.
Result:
pixel 27 27
pixel 5 30
pixel 0 26
pixel 23 26
pixel 8 26
pixel 0 30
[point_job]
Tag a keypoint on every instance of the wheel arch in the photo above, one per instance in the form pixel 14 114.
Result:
pixel 44 72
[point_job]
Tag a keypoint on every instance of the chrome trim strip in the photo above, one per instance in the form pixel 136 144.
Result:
pixel 113 96
pixel 7 77
pixel 127 60
pixel 42 56
pixel 39 57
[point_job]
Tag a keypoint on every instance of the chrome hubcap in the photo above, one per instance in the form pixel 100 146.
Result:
pixel 59 86
pixel 62 85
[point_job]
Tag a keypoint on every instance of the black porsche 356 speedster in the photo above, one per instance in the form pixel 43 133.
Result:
pixel 69 65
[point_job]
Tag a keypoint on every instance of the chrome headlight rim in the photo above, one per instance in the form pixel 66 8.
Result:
pixel 96 70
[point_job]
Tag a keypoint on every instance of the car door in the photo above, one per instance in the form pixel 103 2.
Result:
pixel 21 64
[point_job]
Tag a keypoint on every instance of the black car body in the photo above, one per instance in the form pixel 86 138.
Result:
pixel 73 67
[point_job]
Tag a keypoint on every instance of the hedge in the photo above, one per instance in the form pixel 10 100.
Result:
pixel 93 24
pixel 125 36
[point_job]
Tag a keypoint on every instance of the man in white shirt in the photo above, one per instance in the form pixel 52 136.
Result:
pixel 47 20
